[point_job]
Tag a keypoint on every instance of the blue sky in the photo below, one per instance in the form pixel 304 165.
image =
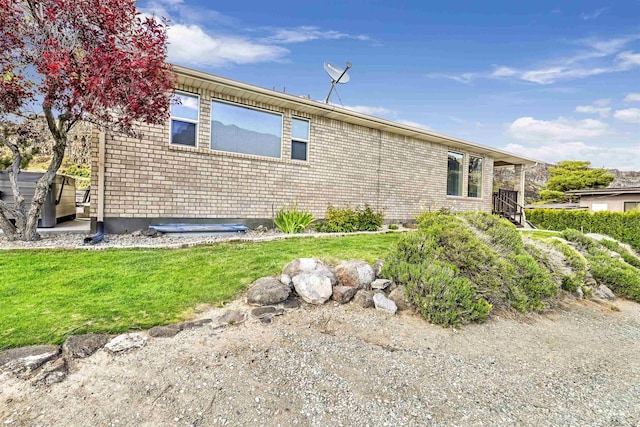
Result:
pixel 553 80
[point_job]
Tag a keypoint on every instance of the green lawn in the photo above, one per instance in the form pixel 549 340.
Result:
pixel 536 234
pixel 48 295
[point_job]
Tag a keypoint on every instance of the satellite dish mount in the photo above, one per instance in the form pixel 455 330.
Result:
pixel 337 76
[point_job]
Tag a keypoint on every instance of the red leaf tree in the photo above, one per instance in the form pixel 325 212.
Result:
pixel 94 60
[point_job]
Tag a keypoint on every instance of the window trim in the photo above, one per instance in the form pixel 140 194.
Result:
pixel 306 141
pixel 462 174
pixel 250 107
pixel 180 119
pixel 480 183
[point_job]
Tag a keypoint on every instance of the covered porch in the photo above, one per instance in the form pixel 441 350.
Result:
pixel 509 197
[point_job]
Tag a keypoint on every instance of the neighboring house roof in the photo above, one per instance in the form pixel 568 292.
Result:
pixel 222 85
pixel 606 191
pixel 556 206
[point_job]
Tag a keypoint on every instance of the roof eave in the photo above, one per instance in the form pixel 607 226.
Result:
pixel 200 79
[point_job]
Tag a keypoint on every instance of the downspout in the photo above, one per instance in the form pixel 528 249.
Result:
pixel 96 238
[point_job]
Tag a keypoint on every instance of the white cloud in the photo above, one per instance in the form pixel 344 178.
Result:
pixel 632 97
pixel 602 102
pixel 594 14
pixel 217 50
pixel 629 115
pixel 413 124
pixel 561 129
pixel 595 57
pixel 369 110
pixel 504 72
pixel 308 33
pixel 590 109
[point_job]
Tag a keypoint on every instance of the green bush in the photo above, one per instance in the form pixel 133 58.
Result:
pixel 629 258
pixel 501 231
pixel 293 220
pixel 622 226
pixel 622 278
pixel 348 220
pixel 453 276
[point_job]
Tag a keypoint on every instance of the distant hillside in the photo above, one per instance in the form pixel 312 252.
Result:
pixel 536 178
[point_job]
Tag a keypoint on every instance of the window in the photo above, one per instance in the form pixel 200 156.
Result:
pixel 454 174
pixel 299 139
pixel 184 120
pixel 474 187
pixel 239 129
pixel 629 206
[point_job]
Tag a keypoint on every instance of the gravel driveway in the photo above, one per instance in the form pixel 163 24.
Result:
pixel 346 366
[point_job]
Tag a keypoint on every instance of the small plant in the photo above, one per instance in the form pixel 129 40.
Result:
pixel 348 220
pixel 393 226
pixel 293 220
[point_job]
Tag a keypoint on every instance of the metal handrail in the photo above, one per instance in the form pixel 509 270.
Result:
pixel 508 208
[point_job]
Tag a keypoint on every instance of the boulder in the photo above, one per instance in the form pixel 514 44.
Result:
pixel 398 296
pixel 343 294
pixel 604 292
pixel 380 284
pixel 26 359
pixel 363 299
pixel 291 304
pixel 579 294
pixel 356 273
pixel 313 288
pixel 377 268
pixel 267 291
pixel 383 303
pixel 286 280
pixel 309 266
pixel 52 372
pixel 167 331
pixel 126 342
pixel 80 346
pixel 230 317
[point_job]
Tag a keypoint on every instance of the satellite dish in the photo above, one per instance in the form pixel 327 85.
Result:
pixel 337 75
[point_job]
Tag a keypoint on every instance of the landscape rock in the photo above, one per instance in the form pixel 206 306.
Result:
pixel 356 273
pixel 579 294
pixel 27 359
pixel 291 304
pixel 193 324
pixel 313 288
pixel 126 342
pixel 80 346
pixel 285 279
pixel 261 311
pixel 52 372
pixel 167 331
pixel 309 266
pixel 230 317
pixel 604 292
pixel 343 294
pixel 267 291
pixel 380 284
pixel 364 299
pixel 410 225
pixel 398 296
pixel 377 268
pixel 151 232
pixel 383 303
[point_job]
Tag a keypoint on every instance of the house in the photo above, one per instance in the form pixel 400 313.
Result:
pixel 609 199
pixel 233 152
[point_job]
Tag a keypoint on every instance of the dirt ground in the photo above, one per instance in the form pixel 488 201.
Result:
pixel 343 365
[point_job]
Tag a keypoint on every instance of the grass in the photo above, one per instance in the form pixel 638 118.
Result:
pixel 539 234
pixel 48 295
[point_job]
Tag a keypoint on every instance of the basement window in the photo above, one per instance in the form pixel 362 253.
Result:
pixel 474 187
pixel 454 173
pixel 299 139
pixel 184 119
pixel 240 129
pixel 630 206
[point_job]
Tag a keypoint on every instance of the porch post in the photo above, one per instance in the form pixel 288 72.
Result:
pixel 519 184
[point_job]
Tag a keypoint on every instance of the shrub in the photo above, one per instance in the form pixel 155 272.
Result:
pixel 614 246
pixel 347 220
pixel 293 220
pixel 454 277
pixel 622 278
pixel 500 231
pixel 623 226
pixel 393 226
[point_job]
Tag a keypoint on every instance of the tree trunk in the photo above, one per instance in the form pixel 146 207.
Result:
pixel 11 230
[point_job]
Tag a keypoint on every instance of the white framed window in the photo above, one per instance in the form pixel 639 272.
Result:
pixel 299 139
pixel 474 185
pixel 455 171
pixel 240 129
pixel 184 119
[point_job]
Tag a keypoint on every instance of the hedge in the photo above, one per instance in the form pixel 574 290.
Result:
pixel 623 226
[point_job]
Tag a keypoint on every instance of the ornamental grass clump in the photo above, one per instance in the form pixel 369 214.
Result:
pixel 293 220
